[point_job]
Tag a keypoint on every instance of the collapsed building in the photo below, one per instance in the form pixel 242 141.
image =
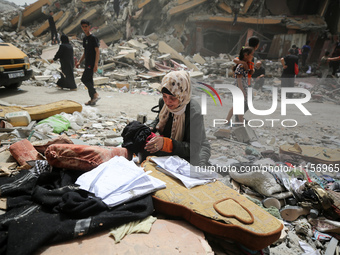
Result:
pixel 208 27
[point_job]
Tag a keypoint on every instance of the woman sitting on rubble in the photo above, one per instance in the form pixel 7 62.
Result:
pixel 179 123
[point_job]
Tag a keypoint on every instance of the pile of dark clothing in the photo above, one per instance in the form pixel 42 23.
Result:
pixel 45 206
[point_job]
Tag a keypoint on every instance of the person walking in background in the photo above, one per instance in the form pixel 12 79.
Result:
pixel 91 56
pixel 258 75
pixel 296 50
pixel 305 51
pixel 65 54
pixel 54 34
pixel 288 75
pixel 241 76
pixel 116 7
pixel 335 64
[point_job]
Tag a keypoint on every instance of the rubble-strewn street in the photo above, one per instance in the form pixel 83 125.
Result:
pixel 285 157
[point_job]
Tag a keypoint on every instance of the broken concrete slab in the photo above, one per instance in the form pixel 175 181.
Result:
pixel 89 15
pixel 164 48
pixel 244 134
pixel 223 133
pixel 136 44
pixel 101 80
pixel 46 25
pixel 32 12
pixel 185 7
pixel 49 52
pixel 197 57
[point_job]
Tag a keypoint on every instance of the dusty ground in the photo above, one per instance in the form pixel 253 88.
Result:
pixel 111 103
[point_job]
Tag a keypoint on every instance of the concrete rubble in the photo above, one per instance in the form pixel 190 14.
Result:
pixel 138 49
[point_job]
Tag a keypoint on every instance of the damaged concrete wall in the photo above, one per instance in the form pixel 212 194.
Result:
pixel 200 26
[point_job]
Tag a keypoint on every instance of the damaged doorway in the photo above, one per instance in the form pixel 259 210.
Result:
pixel 219 41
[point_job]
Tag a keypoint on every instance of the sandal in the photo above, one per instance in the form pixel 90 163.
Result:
pixel 90 103
pixel 95 100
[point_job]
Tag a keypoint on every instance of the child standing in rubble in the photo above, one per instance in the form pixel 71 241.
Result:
pixel 241 75
pixel 253 42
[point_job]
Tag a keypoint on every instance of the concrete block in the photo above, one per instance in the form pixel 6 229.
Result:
pixel 31 12
pixel 223 133
pixel 136 44
pixel 197 57
pixel 244 134
pixel 119 76
pixel 101 80
pixel 43 77
pixel 176 44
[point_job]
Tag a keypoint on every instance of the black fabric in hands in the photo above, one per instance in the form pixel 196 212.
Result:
pixel 134 136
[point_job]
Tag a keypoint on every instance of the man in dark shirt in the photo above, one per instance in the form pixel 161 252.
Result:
pixel 54 35
pixel 288 74
pixel 258 75
pixel 91 56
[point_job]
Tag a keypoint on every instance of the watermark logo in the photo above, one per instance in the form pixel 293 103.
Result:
pixel 238 102
pixel 204 97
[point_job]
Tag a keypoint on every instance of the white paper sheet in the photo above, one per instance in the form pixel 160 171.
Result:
pixel 179 168
pixel 118 180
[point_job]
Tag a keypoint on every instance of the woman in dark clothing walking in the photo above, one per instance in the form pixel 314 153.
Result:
pixel 65 54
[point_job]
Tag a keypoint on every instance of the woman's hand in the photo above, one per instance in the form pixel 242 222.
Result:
pixel 155 144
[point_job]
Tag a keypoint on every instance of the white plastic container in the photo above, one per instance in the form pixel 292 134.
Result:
pixel 21 118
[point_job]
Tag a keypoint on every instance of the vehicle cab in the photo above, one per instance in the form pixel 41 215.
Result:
pixel 14 66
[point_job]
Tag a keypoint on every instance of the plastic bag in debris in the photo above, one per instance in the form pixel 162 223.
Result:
pixel 57 122
pixel 76 119
pixel 89 112
pixel 44 128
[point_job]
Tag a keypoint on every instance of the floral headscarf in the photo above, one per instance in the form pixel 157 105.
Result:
pixel 178 83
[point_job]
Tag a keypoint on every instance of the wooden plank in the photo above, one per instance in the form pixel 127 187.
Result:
pixel 46 25
pixel 184 7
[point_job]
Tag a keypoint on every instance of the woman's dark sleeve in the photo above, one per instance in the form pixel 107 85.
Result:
pixel 194 145
pixel 59 53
